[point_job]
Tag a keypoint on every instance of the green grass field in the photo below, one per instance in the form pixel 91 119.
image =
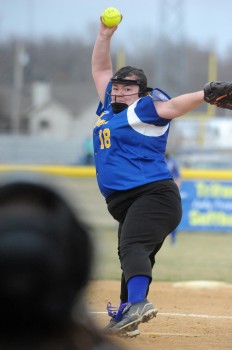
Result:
pixel 195 256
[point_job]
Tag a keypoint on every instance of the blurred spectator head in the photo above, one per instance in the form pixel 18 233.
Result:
pixel 45 256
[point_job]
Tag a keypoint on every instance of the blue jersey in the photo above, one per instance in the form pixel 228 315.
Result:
pixel 130 146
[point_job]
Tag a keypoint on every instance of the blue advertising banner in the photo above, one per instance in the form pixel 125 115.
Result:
pixel 207 205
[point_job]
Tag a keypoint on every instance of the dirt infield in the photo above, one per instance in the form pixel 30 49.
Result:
pixel 191 315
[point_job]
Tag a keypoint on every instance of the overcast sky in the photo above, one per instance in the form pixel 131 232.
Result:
pixel 204 22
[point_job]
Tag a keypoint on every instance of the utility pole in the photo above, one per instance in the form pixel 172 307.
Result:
pixel 170 52
pixel 212 76
pixel 120 59
pixel 19 62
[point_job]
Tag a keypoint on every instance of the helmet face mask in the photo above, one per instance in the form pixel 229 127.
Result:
pixel 130 82
pixel 137 78
pixel 122 76
pixel 118 107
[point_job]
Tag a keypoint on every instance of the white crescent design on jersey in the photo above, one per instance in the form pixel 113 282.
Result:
pixel 144 128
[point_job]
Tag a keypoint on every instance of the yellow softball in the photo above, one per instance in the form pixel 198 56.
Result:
pixel 111 17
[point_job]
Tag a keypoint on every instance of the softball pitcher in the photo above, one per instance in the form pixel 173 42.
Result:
pixel 130 139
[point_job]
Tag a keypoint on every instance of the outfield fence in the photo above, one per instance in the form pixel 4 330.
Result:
pixel 206 195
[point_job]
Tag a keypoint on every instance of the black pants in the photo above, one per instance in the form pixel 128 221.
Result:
pixel 146 215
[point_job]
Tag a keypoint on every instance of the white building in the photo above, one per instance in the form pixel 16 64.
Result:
pixel 47 117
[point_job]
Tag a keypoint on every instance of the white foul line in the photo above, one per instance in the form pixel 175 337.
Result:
pixel 176 315
pixel 193 315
